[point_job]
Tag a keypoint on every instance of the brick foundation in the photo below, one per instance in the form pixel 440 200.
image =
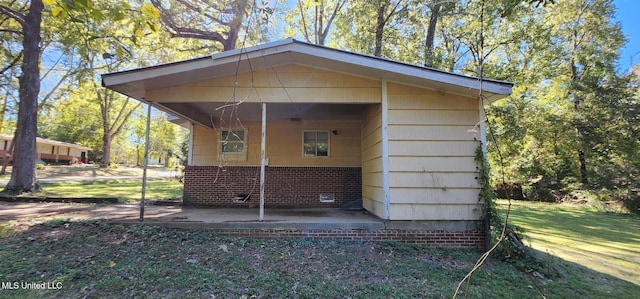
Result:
pixel 284 186
pixel 446 239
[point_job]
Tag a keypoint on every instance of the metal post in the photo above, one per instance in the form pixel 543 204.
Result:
pixel 263 161
pixel 145 162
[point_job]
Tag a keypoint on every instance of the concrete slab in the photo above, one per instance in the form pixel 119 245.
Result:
pixel 222 218
pixel 188 217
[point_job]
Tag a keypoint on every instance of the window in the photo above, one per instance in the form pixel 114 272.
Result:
pixel 316 143
pixel 233 145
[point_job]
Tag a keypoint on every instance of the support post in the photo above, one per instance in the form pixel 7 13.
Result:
pixel 145 162
pixel 385 152
pixel 482 127
pixel 263 161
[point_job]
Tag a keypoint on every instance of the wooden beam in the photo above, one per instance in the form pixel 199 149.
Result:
pixel 386 204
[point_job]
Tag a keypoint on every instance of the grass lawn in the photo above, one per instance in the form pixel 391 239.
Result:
pixel 124 189
pixel 58 171
pixel 604 242
pixel 97 259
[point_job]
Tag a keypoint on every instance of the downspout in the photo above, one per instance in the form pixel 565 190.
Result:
pixel 386 204
pixel 145 162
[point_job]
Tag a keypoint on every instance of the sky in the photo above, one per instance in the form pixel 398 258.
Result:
pixel 628 14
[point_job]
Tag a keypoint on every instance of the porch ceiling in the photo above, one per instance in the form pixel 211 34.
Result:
pixel 206 112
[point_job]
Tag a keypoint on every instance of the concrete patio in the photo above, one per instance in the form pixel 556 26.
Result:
pixel 216 218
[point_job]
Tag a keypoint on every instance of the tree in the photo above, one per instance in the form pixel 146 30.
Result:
pixel 216 21
pixel 589 44
pixel 162 137
pixel 103 39
pixel 313 19
pixel 434 7
pixel 23 177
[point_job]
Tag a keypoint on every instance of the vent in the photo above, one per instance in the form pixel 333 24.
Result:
pixel 326 197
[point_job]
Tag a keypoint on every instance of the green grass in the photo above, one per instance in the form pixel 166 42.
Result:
pixel 96 259
pixel 125 189
pixel 604 242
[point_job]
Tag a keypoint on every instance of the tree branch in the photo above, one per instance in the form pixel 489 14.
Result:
pixel 13 63
pixel 338 7
pixel 200 11
pixel 304 23
pixel 19 17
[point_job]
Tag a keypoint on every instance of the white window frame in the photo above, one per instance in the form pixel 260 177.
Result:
pixel 233 156
pixel 304 155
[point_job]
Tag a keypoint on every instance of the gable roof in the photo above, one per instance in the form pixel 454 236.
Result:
pixel 134 82
pixel 137 82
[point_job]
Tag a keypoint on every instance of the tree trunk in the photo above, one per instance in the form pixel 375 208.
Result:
pixel 138 155
pixel 582 162
pixel 431 32
pixel 380 23
pixel 23 176
pixel 106 148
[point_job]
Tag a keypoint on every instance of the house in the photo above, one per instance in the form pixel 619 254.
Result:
pixel 50 151
pixel 292 124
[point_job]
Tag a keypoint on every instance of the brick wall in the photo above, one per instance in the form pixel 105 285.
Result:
pixel 438 238
pixel 284 186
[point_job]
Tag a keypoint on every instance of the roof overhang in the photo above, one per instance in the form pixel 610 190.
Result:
pixel 135 83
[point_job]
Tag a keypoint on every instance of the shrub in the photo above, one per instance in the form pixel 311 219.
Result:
pixel 40 166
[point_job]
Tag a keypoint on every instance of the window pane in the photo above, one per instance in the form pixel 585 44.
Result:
pixel 232 147
pixel 309 137
pixel 323 137
pixel 232 141
pixel 309 148
pixel 323 149
pixel 230 135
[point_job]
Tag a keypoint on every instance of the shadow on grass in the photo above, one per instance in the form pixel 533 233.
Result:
pixel 97 259
pixel 605 242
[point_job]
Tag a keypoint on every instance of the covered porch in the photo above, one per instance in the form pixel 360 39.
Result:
pixel 312 155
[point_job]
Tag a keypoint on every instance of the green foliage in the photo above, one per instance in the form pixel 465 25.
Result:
pixel 40 166
pixel 501 232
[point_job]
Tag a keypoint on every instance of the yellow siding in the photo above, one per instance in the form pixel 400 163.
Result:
pixel 439 196
pixel 372 192
pixel 435 212
pixel 284 144
pixel 287 84
pixel 432 144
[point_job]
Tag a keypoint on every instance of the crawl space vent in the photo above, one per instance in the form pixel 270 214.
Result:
pixel 326 197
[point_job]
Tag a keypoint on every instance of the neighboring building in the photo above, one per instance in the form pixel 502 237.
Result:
pixel 50 151
pixel 339 127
